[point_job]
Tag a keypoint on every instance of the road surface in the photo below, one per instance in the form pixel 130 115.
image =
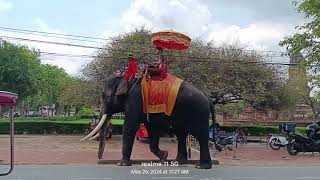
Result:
pixel 138 172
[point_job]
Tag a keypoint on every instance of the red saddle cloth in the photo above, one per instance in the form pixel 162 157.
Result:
pixel 160 95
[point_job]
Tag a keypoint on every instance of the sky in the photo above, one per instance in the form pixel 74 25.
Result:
pixel 256 24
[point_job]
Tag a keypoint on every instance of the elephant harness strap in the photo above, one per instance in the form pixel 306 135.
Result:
pixel 160 96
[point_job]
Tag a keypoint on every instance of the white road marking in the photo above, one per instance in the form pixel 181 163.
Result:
pixel 91 178
pixel 308 177
pixel 172 177
pixel 210 179
pixel 247 177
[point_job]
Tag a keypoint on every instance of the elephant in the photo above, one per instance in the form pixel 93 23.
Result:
pixel 190 115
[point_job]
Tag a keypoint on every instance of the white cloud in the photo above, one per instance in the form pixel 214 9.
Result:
pixel 261 35
pixel 197 19
pixel 5 5
pixel 190 16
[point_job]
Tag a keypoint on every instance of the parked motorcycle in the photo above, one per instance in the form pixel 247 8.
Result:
pixel 277 141
pixel 311 143
pixel 222 140
pixel 313 131
pixel 298 143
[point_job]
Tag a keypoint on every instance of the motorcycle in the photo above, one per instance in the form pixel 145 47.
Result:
pixel 222 140
pixel 311 143
pixel 276 142
pixel 298 143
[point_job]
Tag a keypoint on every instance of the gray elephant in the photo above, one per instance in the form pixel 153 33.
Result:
pixel 190 115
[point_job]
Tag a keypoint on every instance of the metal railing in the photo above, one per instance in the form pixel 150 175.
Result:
pixel 193 143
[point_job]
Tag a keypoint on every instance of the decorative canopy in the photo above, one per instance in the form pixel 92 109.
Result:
pixel 8 98
pixel 171 40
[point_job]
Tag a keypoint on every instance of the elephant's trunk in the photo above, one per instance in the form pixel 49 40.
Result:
pixel 97 128
pixel 102 137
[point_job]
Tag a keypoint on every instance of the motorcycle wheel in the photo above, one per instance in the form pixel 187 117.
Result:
pixel 291 149
pixel 218 147
pixel 275 144
pixel 230 148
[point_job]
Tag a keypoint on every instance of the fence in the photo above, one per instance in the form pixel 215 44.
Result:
pixel 119 115
pixel 193 143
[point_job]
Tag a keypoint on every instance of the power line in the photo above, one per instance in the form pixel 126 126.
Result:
pixel 93 47
pixel 58 37
pixel 213 60
pixel 105 39
pixel 58 34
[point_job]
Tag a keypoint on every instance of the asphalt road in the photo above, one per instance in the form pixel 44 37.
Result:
pixel 111 172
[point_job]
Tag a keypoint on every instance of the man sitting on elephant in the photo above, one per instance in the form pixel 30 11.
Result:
pixel 132 68
pixel 132 71
pixel 160 69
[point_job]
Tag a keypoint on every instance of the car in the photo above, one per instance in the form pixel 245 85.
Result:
pixel 6 115
pixel 16 114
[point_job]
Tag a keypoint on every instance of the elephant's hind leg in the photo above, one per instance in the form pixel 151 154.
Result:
pixel 205 159
pixel 182 155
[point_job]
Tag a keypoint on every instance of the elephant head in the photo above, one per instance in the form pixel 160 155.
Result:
pixel 112 101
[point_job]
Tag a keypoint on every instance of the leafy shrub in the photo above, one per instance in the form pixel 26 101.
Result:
pixel 86 112
pixel 55 126
pixel 75 125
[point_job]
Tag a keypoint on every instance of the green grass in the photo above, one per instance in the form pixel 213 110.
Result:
pixel 117 122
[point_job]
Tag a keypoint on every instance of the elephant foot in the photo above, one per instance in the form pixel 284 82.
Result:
pixel 203 165
pixel 123 162
pixel 163 155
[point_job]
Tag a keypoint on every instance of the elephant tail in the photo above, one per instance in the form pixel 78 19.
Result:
pixel 213 117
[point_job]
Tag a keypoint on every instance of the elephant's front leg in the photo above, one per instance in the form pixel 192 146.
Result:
pixel 154 137
pixel 130 128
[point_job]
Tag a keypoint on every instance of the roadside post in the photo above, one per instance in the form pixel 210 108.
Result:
pixel 9 99
pixel 234 157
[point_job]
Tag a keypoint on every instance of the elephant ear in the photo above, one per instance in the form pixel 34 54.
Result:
pixel 122 87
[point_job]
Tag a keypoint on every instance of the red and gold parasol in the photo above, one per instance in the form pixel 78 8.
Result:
pixel 171 40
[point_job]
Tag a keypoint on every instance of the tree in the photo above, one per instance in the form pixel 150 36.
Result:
pixel 76 93
pixel 50 79
pixel 306 41
pixel 232 110
pixel 227 72
pixel 19 67
pixel 305 92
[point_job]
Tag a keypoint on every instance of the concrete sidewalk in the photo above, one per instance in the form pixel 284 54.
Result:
pixel 51 149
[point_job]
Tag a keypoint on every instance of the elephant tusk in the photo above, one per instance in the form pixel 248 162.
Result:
pixel 96 129
pixel 97 135
pixel 94 137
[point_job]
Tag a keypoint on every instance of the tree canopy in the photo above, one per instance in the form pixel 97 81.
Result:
pixel 19 67
pixel 307 40
pixel 226 72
